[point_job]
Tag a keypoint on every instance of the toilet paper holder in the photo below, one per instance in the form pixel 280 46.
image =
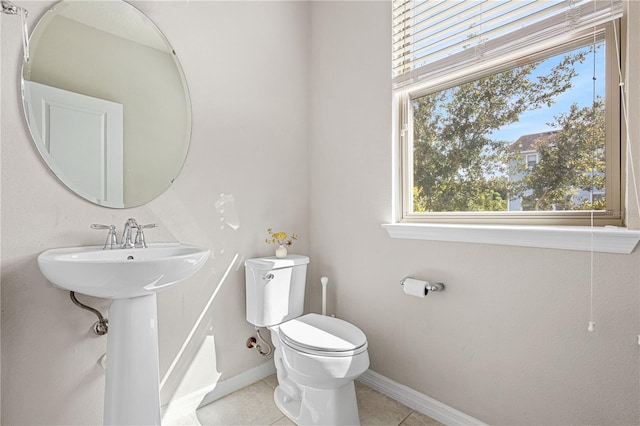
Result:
pixel 437 286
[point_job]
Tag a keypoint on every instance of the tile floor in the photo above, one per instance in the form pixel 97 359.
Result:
pixel 254 405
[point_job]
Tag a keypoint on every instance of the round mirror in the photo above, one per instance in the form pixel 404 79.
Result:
pixel 106 102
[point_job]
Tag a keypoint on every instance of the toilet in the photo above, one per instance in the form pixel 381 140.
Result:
pixel 317 357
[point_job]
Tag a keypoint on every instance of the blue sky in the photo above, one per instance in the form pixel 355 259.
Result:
pixel 582 93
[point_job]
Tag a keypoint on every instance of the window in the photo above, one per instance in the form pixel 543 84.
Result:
pixel 507 112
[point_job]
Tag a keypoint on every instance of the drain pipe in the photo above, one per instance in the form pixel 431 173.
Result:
pixel 101 327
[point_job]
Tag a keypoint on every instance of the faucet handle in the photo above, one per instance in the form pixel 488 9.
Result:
pixel 149 225
pixel 140 241
pixel 112 239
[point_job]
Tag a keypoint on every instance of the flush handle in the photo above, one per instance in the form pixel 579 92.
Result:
pixel 268 277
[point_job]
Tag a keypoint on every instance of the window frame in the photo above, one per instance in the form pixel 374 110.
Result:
pixel 615 141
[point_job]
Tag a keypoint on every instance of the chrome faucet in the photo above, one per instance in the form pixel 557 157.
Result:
pixel 127 242
pixel 139 242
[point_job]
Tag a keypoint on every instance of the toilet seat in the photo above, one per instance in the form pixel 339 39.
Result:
pixel 322 335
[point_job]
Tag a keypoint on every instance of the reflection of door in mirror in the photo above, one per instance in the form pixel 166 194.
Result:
pixel 82 135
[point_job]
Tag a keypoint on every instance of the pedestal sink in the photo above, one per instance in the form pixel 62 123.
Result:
pixel 131 277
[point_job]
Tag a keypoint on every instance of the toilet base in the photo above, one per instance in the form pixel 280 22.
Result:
pixel 337 406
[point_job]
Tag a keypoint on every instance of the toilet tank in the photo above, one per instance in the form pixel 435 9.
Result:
pixel 275 289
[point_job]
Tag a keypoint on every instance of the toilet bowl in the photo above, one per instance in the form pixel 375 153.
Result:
pixel 317 357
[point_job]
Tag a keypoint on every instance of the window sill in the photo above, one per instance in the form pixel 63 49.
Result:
pixel 605 239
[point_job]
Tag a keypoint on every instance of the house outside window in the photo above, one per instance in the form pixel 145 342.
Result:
pixel 533 137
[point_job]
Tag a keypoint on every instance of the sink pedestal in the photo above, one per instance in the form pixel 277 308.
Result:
pixel 132 392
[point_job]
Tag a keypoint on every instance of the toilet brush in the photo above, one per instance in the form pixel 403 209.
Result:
pixel 324 281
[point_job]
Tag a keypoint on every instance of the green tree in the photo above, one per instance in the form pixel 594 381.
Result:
pixel 574 161
pixel 457 164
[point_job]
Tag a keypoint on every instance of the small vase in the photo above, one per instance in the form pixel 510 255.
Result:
pixel 281 252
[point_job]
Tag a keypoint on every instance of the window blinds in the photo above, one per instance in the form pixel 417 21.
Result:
pixel 435 38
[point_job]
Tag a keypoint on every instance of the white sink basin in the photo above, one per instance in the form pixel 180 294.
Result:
pixel 121 273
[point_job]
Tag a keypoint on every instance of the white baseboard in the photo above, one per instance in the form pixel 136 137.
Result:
pixel 186 406
pixel 417 401
pixel 240 381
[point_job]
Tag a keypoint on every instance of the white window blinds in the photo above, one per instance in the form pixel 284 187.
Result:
pixel 435 38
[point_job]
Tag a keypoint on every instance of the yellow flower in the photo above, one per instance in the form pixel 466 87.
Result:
pixel 280 238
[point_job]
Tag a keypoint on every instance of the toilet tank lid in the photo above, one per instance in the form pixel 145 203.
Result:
pixel 272 262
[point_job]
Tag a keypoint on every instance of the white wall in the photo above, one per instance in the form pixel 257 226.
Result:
pixel 246 65
pixel 507 341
